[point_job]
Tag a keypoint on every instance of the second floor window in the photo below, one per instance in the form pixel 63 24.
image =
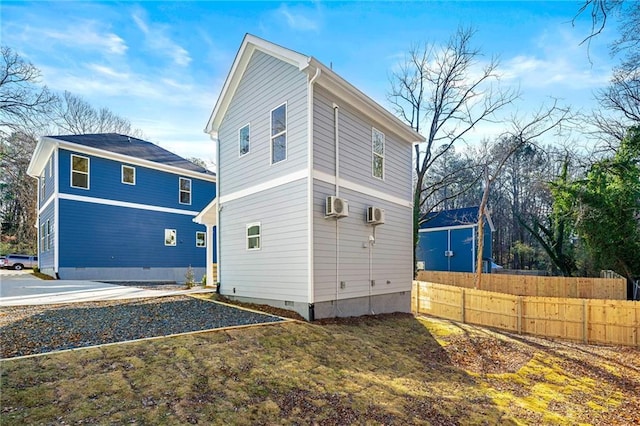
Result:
pixel 377 148
pixel 43 187
pixel 129 175
pixel 244 140
pixel 279 134
pixel 185 191
pixel 79 172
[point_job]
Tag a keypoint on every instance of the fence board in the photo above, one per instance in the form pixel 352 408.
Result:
pixel 532 285
pixel 585 320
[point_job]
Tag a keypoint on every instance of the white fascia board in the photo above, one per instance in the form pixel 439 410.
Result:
pixel 41 154
pixel 135 161
pixel 488 216
pixel 349 93
pixel 249 45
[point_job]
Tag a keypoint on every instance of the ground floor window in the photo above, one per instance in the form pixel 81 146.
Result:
pixel 201 239
pixel 170 237
pixel 253 236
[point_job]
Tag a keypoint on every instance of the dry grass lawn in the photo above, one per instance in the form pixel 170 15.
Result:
pixel 393 369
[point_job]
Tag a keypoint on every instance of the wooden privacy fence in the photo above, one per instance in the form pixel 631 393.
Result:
pixel 525 285
pixel 585 320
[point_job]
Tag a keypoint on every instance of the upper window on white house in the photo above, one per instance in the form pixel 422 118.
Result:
pixel 79 172
pixel 253 236
pixel 377 148
pixel 170 237
pixel 243 136
pixel 201 239
pixel 185 191
pixel 279 134
pixel 129 175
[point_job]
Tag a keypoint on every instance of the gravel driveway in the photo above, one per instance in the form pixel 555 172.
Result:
pixel 27 330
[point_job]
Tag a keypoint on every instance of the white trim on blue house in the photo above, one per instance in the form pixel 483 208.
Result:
pixel 46 204
pixel 104 201
pixel 440 228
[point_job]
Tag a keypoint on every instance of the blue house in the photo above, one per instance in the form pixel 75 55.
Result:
pixel 447 241
pixel 113 207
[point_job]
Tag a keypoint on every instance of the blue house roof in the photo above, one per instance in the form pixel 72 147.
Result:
pixel 453 217
pixel 133 147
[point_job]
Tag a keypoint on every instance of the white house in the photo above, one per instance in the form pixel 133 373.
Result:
pixel 314 189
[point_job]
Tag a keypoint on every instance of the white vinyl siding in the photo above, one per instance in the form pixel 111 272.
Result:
pixel 244 140
pixel 128 175
pixel 355 147
pixel 253 236
pixel 391 255
pixel 377 153
pixel 279 270
pixel 279 134
pixel 277 83
pixel 185 191
pixel 80 168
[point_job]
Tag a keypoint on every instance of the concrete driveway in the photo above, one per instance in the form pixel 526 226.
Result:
pixel 21 288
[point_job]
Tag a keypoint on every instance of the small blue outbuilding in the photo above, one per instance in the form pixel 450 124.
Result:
pixel 448 241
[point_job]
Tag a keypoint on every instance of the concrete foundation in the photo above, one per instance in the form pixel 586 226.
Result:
pixel 129 274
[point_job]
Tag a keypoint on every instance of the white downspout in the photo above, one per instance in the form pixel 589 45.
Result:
pixel 310 269
pixel 336 139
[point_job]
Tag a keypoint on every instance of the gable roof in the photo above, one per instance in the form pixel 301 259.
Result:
pixel 315 70
pixel 112 145
pixel 454 217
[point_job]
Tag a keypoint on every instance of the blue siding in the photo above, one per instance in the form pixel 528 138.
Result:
pixel 94 235
pixel 153 187
pixel 433 244
pixel 46 257
pixel 49 179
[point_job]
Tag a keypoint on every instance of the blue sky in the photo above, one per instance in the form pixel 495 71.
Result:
pixel 162 64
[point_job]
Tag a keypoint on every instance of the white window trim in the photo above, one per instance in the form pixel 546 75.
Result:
pixel 204 239
pixel 43 236
pixel 48 234
pixel 180 191
pixel 122 174
pixel 374 154
pixel 240 154
pixel 285 133
pixel 175 240
pixel 259 236
pixel 88 173
pixel 43 187
pixel 50 166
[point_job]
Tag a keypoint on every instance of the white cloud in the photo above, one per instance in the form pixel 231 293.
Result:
pixel 300 18
pixel 159 41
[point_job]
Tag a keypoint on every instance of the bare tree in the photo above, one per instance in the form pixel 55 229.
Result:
pixel 494 157
pixel 444 92
pixel 74 115
pixel 22 99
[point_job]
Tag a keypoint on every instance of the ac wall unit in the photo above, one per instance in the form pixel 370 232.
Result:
pixel 375 215
pixel 336 207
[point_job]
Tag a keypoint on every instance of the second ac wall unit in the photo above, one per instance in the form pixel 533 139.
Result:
pixel 336 207
pixel 375 215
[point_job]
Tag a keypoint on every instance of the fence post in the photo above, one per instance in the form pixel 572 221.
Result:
pixel 464 292
pixel 585 327
pixel 519 313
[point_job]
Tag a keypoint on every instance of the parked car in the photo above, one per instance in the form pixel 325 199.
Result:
pixel 19 261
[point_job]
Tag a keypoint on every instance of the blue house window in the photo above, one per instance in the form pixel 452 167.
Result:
pixel 170 237
pixel 201 239
pixel 43 187
pixel 79 172
pixel 185 191
pixel 43 237
pixel 279 134
pixel 243 136
pixel 128 175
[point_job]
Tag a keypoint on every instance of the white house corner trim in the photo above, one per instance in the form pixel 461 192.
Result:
pixel 310 269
